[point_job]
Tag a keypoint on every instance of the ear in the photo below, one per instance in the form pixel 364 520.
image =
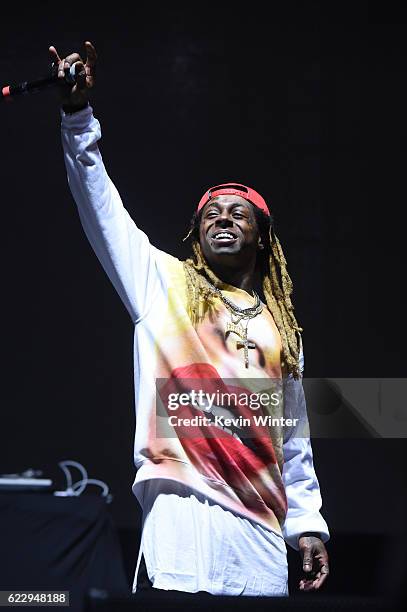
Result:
pixel 260 244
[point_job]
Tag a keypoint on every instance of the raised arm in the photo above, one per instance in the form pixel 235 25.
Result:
pixel 122 248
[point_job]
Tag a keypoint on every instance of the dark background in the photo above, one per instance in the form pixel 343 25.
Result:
pixel 304 105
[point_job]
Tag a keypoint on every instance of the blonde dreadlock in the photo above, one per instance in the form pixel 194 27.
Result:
pixel 277 288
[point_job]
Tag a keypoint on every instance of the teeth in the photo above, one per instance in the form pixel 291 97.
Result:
pixel 224 235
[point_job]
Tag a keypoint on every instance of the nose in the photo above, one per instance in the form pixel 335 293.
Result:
pixel 224 219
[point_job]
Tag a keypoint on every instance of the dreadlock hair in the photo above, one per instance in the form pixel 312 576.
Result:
pixel 276 282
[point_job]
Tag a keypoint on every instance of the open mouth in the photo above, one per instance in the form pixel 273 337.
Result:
pixel 224 237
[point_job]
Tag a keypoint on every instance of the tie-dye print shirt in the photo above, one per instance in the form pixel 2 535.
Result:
pixel 267 477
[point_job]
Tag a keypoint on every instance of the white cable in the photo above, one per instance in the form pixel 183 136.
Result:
pixel 95 481
pixel 78 487
pixel 67 476
pixel 63 465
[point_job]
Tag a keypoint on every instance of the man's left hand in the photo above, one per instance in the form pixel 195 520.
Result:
pixel 314 562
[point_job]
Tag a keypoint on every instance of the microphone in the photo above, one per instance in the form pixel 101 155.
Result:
pixel 9 91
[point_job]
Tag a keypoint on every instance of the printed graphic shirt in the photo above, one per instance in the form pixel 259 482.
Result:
pixel 265 475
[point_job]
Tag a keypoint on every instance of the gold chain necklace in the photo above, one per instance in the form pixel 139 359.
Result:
pixel 237 314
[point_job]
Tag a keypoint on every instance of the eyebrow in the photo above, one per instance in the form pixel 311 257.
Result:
pixel 233 205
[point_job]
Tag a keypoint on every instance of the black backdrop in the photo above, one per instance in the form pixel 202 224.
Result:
pixel 305 106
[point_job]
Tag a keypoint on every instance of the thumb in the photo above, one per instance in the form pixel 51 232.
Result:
pixel 307 560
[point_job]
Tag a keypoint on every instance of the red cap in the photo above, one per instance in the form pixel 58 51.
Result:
pixel 247 193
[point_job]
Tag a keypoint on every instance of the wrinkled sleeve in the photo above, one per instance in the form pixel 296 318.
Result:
pixel 299 478
pixel 121 247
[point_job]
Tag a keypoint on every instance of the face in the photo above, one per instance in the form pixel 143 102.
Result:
pixel 228 231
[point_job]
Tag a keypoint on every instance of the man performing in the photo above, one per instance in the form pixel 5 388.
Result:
pixel 221 494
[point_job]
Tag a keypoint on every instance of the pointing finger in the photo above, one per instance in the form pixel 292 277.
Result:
pixel 54 54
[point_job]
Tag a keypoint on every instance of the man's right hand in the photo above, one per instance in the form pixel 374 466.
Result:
pixel 74 97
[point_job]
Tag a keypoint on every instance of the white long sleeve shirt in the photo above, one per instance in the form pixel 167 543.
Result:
pixel 275 488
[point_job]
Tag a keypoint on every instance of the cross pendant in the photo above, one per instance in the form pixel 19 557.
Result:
pixel 246 344
pixel 241 331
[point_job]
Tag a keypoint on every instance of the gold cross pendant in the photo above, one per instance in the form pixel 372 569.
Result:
pixel 246 344
pixel 240 331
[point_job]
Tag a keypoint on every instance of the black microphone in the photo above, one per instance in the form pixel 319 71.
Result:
pixel 8 91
